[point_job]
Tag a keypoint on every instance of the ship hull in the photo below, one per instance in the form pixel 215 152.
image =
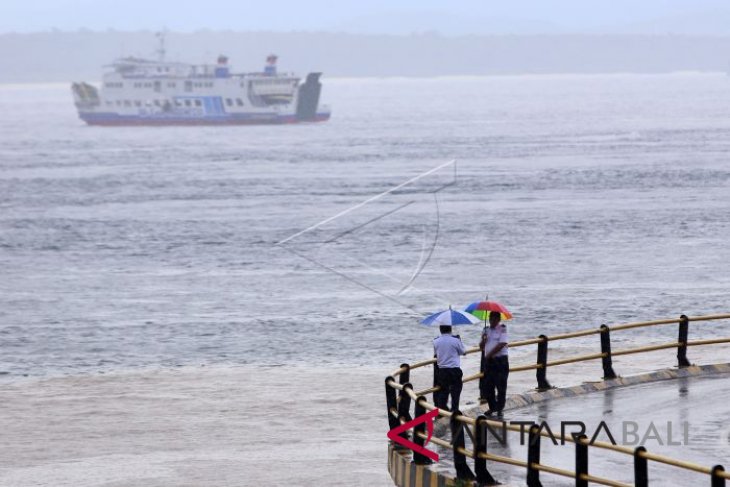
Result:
pixel 116 120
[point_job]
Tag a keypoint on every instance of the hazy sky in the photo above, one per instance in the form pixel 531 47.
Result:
pixel 374 16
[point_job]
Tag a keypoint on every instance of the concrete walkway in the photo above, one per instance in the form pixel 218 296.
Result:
pixel 686 418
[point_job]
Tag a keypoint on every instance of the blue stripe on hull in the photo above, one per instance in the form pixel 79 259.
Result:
pixel 228 119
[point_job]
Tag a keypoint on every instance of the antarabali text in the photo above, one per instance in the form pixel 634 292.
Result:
pixel 629 433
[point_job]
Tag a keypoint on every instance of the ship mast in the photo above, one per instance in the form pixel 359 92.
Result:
pixel 161 50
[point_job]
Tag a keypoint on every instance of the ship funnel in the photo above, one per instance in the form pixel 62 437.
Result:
pixel 270 68
pixel 222 70
pixel 309 97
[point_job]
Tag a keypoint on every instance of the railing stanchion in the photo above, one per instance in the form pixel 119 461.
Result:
pixel 641 468
pixel 404 400
pixel 581 460
pixel 482 379
pixel 608 372
pixel 533 457
pixel 463 472
pixel 541 372
pixel 391 403
pixel 420 428
pixel 405 376
pixel 683 336
pixel 717 481
pixel 434 396
pixel 404 406
pixel 480 446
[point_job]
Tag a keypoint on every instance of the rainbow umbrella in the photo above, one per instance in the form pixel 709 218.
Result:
pixel 481 310
pixel 450 317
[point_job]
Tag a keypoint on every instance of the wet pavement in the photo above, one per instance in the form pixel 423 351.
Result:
pixel 686 419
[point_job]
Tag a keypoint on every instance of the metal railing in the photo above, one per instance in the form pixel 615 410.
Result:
pixel 399 395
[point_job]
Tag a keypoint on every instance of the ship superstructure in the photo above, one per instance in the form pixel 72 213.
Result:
pixel 138 91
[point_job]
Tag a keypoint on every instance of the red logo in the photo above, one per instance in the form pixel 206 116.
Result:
pixel 424 418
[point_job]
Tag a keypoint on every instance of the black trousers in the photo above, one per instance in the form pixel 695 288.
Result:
pixel 496 371
pixel 449 380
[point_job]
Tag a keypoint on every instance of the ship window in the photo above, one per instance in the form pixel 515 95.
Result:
pixel 170 85
pixel 127 103
pixel 239 102
pixel 178 103
pixel 198 103
pixel 157 103
pixel 229 102
pixel 187 103
pixel 119 103
pixel 137 103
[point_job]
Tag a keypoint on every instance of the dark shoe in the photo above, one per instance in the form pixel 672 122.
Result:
pixel 500 414
pixel 488 412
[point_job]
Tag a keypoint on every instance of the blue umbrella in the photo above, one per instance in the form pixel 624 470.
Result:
pixel 450 317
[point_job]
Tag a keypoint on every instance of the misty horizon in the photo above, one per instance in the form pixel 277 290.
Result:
pixel 461 17
pixel 58 56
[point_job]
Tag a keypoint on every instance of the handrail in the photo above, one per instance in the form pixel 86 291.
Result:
pixel 581 358
pixel 541 366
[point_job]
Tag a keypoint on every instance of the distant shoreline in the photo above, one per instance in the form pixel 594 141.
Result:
pixel 455 77
pixel 80 55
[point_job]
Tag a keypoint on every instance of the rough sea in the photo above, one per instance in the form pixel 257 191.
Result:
pixel 164 320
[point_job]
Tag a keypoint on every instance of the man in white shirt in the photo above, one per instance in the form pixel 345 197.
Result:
pixel 495 365
pixel 448 349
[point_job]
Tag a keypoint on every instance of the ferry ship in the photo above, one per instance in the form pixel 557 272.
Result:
pixel 139 91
